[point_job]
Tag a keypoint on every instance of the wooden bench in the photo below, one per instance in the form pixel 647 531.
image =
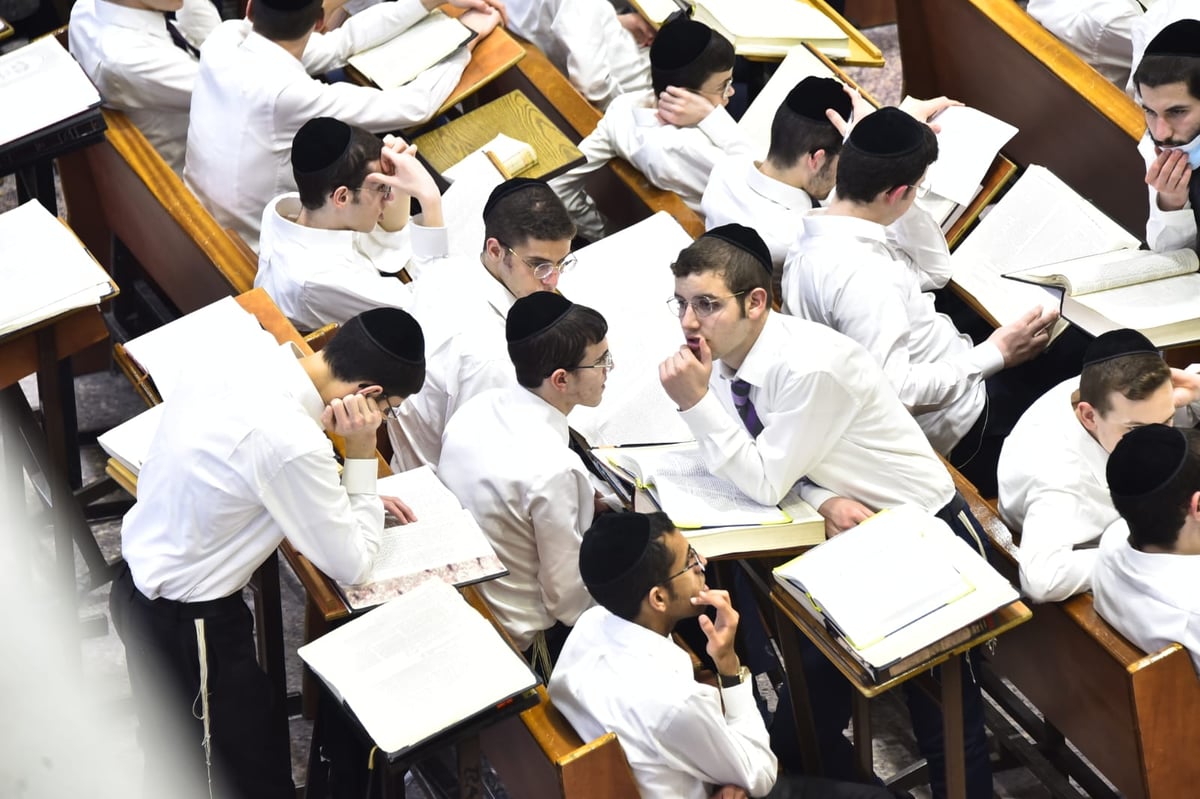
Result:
pixel 1126 711
pixel 991 55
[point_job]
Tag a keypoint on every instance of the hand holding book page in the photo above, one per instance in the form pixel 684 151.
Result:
pixel 417 666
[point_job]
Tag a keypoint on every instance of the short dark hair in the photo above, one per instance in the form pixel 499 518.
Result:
pixel 623 596
pixel 717 56
pixel 793 136
pixel 350 170
pixel 560 346
pixel 1135 377
pixel 534 212
pixel 285 26
pixel 862 176
pixel 740 270
pixel 1159 70
pixel 1155 518
pixel 352 356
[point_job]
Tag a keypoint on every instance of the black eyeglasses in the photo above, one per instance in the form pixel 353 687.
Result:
pixel 605 362
pixel 692 562
pixel 392 410
pixel 542 269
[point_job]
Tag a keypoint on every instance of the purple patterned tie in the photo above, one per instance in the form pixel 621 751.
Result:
pixel 745 408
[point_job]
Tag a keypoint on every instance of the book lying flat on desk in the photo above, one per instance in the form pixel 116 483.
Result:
pixel 765 28
pixel 895 585
pixel 444 543
pixel 44 269
pixel 402 58
pixel 129 442
pixel 418 666
pixel 41 85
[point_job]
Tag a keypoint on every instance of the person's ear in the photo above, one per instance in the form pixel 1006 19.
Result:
pixel 369 389
pixel 341 196
pixel 558 379
pixel 494 248
pixel 657 598
pixel 1087 415
pixel 816 160
pixel 896 194
pixel 757 303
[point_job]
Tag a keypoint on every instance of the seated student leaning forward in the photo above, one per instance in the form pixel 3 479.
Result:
pixel 1146 576
pixel 772 399
pixel 505 455
pixel 673 133
pixel 240 461
pixel 323 249
pixel 620 671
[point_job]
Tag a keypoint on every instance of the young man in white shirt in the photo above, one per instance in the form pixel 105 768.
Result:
pixel 323 248
pixel 801 164
pixel 1098 31
pixel 505 455
pixel 1146 575
pixel 844 272
pixel 773 400
pixel 621 672
pixel 1051 469
pixel 254 91
pixel 1168 88
pixel 674 132
pixel 239 462
pixel 463 305
pixel 603 53
pixel 143 63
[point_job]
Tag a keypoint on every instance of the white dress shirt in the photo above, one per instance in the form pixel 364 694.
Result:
pixel 1098 31
pixel 738 192
pixel 616 676
pixel 239 462
pixel 1053 489
pixel 319 276
pixel 843 272
pixel 252 96
pixel 1150 598
pixel 586 42
pixel 462 310
pixel 672 158
pixel 138 69
pixel 828 414
pixel 1166 230
pixel 505 456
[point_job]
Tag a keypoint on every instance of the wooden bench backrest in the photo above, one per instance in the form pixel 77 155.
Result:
pixel 991 55
pixel 1126 711
pixel 623 194
pixel 121 187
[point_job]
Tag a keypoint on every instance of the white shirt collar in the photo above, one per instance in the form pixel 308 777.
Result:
pixel 761 357
pixel 553 417
pixel 820 222
pixel 139 19
pixel 286 209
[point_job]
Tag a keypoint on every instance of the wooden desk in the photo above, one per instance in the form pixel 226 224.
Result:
pixel 791 617
pixel 513 115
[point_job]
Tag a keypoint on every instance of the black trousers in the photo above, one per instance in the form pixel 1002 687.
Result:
pixel 250 749
pixel 790 786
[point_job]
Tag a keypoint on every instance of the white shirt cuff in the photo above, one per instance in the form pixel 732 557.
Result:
pixel 987 359
pixel 359 475
pixel 429 242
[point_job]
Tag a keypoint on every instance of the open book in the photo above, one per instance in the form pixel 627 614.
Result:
pixel 129 442
pixel 1155 293
pixel 402 58
pixel 1040 220
pixel 765 28
pixel 418 666
pixel 42 85
pixel 513 156
pixel 894 584
pixel 444 544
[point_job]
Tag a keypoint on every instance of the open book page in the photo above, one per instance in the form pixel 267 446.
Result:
pixel 967 145
pixel 417 666
pixel 626 277
pixel 41 85
pixel 44 269
pixel 129 442
pixel 1112 270
pixel 400 59
pixel 205 339
pixel 1145 306
pixel 755 124
pixel 880 576
pixel 657 11
pixel 474 178
pixel 1040 220
pixel 772 25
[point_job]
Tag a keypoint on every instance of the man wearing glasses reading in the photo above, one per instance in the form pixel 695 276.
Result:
pixel 323 250
pixel 463 304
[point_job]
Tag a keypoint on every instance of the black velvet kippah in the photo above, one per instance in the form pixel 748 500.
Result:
pixel 612 547
pixel 1180 38
pixel 395 333
pixel 888 131
pixel 319 144
pixel 286 5
pixel 746 239
pixel 534 314
pixel 1145 460
pixel 812 96
pixel 506 188
pixel 679 43
pixel 1116 344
